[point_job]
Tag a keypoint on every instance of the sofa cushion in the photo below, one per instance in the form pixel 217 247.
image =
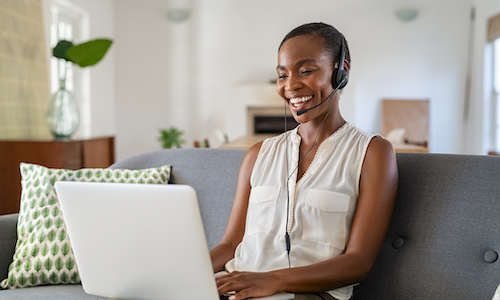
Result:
pixel 443 232
pixel 49 292
pixel 43 253
pixel 212 172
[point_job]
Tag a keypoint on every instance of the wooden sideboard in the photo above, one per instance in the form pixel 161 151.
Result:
pixel 71 154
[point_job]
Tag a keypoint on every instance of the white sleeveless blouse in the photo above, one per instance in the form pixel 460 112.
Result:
pixel 321 204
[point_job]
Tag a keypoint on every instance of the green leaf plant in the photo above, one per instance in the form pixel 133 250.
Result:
pixel 171 138
pixel 84 55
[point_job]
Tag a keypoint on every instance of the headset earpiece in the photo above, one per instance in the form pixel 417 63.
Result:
pixel 340 74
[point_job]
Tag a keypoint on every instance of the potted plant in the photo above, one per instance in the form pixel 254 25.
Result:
pixel 171 138
pixel 63 116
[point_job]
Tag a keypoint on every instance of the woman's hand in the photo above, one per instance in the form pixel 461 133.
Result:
pixel 248 284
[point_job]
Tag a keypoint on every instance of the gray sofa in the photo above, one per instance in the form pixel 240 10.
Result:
pixel 443 241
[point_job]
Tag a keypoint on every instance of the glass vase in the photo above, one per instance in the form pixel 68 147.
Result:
pixel 63 115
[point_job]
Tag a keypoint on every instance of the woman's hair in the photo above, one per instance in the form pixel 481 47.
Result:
pixel 332 38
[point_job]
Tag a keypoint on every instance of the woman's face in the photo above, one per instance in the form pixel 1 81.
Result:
pixel 304 75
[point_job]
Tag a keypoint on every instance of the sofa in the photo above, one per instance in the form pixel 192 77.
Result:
pixel 442 243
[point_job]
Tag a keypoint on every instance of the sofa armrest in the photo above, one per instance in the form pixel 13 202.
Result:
pixel 8 238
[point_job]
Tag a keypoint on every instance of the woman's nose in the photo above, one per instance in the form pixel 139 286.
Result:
pixel 293 83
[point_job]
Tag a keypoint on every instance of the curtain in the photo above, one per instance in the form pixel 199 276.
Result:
pixel 24 82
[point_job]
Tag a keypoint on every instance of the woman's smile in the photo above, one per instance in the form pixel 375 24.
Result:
pixel 299 102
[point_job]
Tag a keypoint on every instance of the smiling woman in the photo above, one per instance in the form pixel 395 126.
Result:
pixel 313 204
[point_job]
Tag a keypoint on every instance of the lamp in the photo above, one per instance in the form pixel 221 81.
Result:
pixel 406 14
pixel 178 15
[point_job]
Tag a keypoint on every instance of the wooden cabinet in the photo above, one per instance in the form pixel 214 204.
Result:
pixel 72 154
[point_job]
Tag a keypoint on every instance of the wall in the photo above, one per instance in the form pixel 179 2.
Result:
pixel 156 84
pixel 421 59
pixel 232 49
pixel 201 74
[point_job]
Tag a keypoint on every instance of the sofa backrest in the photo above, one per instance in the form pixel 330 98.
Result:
pixel 443 240
pixel 213 174
pixel 444 237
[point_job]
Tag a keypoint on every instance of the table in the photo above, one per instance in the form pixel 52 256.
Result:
pixel 71 154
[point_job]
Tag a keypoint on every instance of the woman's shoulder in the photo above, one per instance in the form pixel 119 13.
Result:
pixel 380 145
pixel 380 152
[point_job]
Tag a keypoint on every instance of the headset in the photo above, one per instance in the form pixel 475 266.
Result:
pixel 340 76
pixel 339 81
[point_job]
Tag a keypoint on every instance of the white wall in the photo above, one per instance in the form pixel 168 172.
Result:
pixel 233 48
pixel 422 59
pixel 156 84
pixel 201 74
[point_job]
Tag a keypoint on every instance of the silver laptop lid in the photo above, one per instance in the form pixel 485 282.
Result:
pixel 138 241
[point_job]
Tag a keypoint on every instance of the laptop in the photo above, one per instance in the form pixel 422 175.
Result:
pixel 139 241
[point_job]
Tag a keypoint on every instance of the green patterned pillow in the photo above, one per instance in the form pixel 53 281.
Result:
pixel 43 252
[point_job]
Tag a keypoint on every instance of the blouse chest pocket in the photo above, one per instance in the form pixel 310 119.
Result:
pixel 324 218
pixel 261 209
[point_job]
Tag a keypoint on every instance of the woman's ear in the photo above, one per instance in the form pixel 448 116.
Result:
pixel 347 66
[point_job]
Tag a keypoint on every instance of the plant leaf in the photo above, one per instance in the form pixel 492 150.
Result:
pixel 44 278
pixel 53 277
pixel 61 48
pixel 65 248
pixel 64 277
pixel 27 265
pixel 54 250
pixel 45 250
pixel 70 263
pixel 171 137
pixel 59 264
pixel 38 265
pixel 75 277
pixel 89 53
pixel 35 250
pixel 48 264
pixel 22 279
pixel 32 278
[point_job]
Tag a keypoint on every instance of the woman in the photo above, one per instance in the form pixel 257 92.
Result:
pixel 312 205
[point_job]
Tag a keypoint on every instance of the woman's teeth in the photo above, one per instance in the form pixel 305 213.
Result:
pixel 301 100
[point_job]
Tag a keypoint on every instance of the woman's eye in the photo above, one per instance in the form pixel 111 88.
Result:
pixel 305 72
pixel 282 77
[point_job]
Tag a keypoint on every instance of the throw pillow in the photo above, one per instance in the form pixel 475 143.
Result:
pixel 43 253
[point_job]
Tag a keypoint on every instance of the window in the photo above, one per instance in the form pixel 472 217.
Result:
pixel 493 69
pixel 495 95
pixel 70 22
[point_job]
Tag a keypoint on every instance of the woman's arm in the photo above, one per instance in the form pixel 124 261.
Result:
pixel 235 228
pixel 378 186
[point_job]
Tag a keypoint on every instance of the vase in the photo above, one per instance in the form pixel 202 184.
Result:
pixel 63 115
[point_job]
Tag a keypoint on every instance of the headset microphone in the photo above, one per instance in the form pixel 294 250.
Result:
pixel 303 111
